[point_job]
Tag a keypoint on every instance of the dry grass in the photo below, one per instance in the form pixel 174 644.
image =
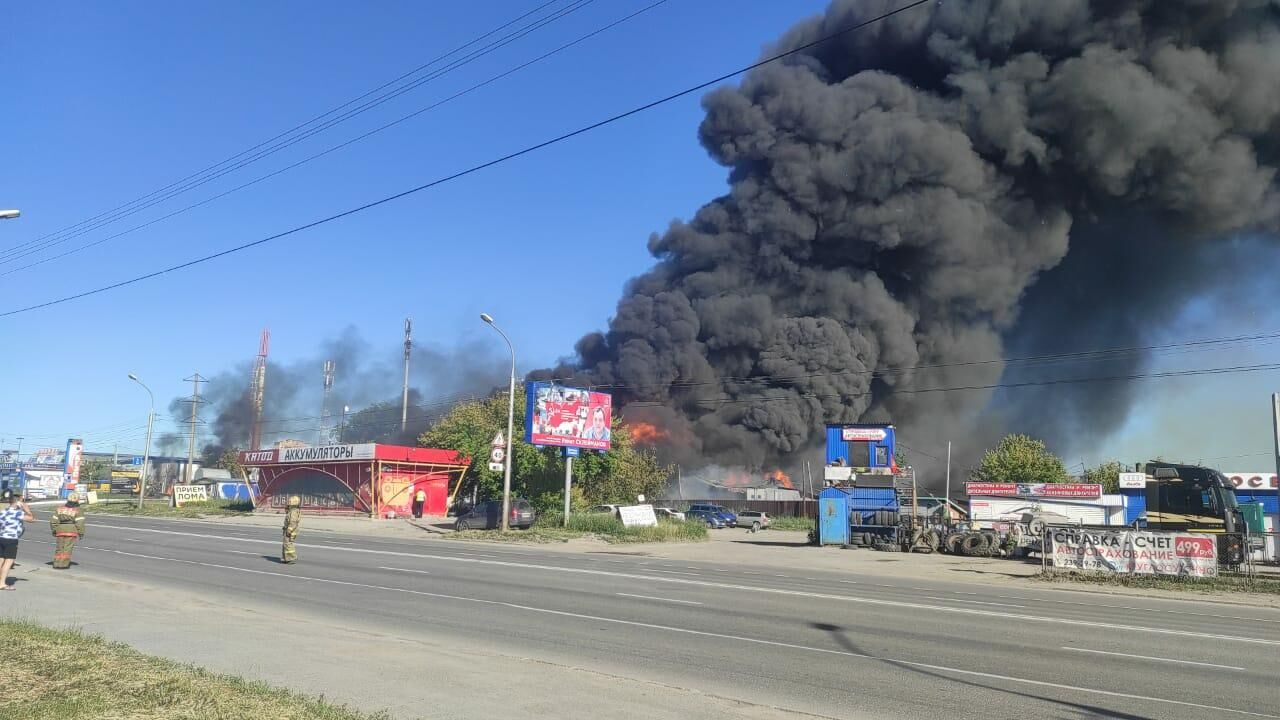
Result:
pixel 1223 584
pixel 61 674
pixel 161 508
pixel 548 529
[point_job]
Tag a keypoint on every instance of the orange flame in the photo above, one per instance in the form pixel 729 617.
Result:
pixel 736 479
pixel 781 479
pixel 647 433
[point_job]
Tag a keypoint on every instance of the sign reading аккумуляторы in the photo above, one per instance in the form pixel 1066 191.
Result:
pixel 1133 552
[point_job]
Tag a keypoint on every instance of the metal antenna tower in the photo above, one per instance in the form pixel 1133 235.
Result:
pixel 257 388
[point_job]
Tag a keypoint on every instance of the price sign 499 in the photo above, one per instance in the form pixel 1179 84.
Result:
pixel 1193 547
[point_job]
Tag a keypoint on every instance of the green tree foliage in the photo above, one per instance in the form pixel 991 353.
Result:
pixel 1107 475
pixel 94 471
pixel 1020 459
pixel 618 475
pixel 228 460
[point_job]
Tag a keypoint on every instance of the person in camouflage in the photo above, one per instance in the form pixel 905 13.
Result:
pixel 67 524
pixel 292 521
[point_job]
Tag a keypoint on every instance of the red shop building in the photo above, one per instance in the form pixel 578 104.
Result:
pixel 356 478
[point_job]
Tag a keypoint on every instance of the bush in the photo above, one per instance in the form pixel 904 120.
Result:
pixel 791 523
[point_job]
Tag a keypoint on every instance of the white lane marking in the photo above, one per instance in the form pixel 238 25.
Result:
pixel 650 597
pixel 1148 657
pixel 420 572
pixel 673 572
pixel 704 633
pixel 780 575
pixel 971 602
pixel 242 552
pixel 897 604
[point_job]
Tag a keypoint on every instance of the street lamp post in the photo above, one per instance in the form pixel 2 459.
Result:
pixel 146 447
pixel 511 414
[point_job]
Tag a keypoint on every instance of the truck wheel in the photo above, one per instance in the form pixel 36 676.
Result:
pixel 932 540
pixel 886 547
pixel 952 542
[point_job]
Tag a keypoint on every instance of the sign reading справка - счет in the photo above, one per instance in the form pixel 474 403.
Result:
pixel 1133 552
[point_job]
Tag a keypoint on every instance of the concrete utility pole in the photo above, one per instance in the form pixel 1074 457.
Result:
pixel 146 447
pixel 404 392
pixel 195 401
pixel 947 498
pixel 1275 426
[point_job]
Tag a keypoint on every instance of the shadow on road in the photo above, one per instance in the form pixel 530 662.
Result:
pixel 1079 709
pixel 771 543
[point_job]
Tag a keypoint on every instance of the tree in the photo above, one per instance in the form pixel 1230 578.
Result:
pixel 95 472
pixel 1020 459
pixel 618 475
pixel 229 460
pixel 1107 475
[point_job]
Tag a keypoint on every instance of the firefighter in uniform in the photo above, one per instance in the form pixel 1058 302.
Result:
pixel 419 499
pixel 67 525
pixel 292 521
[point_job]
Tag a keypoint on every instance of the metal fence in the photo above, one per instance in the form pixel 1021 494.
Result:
pixel 776 508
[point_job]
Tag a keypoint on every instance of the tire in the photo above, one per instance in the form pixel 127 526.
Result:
pixel 866 539
pixel 952 543
pixel 972 544
pixel 933 540
pixel 462 525
pixel 887 547
pixel 755 527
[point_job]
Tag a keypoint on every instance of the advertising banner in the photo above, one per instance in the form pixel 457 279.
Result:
pixel 858 434
pixel 637 516
pixel 321 453
pixel 1132 552
pixel 1048 490
pixel 1253 480
pixel 75 454
pixel 1132 480
pixel 568 417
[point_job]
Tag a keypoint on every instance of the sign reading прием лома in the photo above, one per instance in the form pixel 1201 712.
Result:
pixel 189 493
pixel 637 516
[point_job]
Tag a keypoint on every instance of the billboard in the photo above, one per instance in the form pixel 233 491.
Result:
pixel 75 453
pixel 1048 490
pixel 1134 553
pixel 567 417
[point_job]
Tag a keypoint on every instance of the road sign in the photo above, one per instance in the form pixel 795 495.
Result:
pixel 498 440
pixel 572 452
pixel 497 467
pixel 137 460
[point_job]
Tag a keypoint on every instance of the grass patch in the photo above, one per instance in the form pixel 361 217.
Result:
pixel 1224 583
pixel 160 508
pixel 549 528
pixel 58 674
pixel 791 523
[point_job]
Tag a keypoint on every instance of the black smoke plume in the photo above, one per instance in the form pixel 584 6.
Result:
pixel 367 379
pixel 967 179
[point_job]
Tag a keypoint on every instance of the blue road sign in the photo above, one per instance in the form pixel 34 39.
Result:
pixel 572 452
pixel 137 460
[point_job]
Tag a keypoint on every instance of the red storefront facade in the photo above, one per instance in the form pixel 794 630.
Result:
pixel 356 478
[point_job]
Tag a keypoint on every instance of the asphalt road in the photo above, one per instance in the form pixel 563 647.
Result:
pixel 829 644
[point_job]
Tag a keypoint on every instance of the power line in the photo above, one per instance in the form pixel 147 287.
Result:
pixel 215 167
pixel 334 148
pixel 471 170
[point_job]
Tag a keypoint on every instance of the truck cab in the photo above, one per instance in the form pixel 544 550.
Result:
pixel 1195 499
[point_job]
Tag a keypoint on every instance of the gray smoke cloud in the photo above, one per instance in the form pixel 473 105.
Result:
pixel 966 180
pixel 367 379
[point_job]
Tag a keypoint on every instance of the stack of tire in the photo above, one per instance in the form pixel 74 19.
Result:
pixel 873 539
pixel 972 544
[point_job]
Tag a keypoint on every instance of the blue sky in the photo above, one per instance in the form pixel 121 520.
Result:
pixel 107 102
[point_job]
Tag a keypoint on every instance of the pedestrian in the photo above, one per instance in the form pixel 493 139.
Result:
pixel 12 516
pixel 67 525
pixel 292 521
pixel 419 499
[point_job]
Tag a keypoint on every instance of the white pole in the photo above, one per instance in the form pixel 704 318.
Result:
pixel 568 482
pixel 511 414
pixel 946 500
pixel 1275 425
pixel 146 460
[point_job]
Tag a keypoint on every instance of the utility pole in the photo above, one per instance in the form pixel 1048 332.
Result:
pixel 1275 425
pixel 195 401
pixel 404 392
pixel 947 498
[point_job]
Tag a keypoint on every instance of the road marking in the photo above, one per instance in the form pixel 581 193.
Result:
pixel 779 575
pixel 650 597
pixel 971 602
pixel 673 572
pixel 242 552
pixel 704 633
pixel 896 604
pixel 420 572
pixel 1157 659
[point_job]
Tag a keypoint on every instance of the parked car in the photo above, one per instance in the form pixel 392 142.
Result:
pixel 712 519
pixel 727 516
pixel 754 520
pixel 488 515
pixel 604 509
pixel 668 514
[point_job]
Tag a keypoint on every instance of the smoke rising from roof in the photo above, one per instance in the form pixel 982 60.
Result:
pixel 966 179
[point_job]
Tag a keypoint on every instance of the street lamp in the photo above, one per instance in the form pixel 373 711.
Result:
pixel 10 214
pixel 146 448
pixel 511 415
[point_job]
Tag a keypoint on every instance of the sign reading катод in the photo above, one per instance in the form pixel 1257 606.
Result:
pixel 1134 553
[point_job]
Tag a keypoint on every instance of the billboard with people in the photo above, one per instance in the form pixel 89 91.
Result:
pixel 568 417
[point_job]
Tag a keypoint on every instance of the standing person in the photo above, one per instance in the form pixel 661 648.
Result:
pixel 67 525
pixel 12 516
pixel 419 499
pixel 292 521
